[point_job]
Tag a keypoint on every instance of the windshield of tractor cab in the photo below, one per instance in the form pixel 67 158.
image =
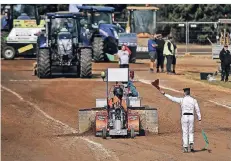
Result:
pixel 23 12
pixel 143 21
pixel 63 24
pixel 102 17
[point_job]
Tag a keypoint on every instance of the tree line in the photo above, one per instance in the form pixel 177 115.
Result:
pixel 175 13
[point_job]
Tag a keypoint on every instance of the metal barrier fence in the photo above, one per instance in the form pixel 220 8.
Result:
pixel 192 37
pixel 178 31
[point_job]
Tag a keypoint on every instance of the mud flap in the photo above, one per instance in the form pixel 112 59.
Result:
pixel 86 119
pixel 148 119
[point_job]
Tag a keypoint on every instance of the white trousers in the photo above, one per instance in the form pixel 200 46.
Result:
pixel 187 123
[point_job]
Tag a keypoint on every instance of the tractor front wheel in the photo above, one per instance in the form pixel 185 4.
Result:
pixel 104 133
pixel 132 133
pixel 8 53
pixel 44 64
pixel 86 63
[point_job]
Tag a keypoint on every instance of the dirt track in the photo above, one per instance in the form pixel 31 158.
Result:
pixel 39 117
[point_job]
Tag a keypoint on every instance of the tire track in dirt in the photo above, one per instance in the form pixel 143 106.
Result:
pixel 100 152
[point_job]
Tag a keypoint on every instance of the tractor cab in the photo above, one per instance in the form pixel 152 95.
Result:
pixel 65 43
pixel 98 15
pixel 141 21
pixel 67 26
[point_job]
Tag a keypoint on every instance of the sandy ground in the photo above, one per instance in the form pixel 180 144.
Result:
pixel 39 117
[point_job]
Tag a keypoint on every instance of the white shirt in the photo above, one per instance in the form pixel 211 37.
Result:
pixel 123 57
pixel 188 104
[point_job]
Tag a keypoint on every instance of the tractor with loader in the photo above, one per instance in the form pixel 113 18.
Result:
pixel 121 112
pixel 19 29
pixel 142 21
pixel 107 37
pixel 63 46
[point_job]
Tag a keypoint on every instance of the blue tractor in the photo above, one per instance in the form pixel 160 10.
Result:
pixel 63 47
pixel 106 35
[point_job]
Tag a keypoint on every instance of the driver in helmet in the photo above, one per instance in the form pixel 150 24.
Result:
pixel 117 99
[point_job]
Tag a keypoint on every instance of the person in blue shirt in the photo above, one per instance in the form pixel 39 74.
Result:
pixel 152 51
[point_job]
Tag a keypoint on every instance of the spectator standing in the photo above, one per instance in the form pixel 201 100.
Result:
pixel 168 52
pixel 160 56
pixel 123 56
pixel 152 51
pixel 225 58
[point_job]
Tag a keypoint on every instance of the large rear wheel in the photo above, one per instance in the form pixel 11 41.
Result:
pixel 98 46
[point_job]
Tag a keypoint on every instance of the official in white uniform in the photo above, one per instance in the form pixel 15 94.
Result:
pixel 188 104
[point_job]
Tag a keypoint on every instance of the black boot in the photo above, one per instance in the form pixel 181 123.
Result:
pixel 157 70
pixel 222 79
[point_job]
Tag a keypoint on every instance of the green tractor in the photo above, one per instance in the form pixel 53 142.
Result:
pixel 19 29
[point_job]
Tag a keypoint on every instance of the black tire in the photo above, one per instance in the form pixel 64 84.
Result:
pixel 98 46
pixel 8 53
pixel 43 64
pixel 132 133
pixel 85 63
pixel 133 55
pixel 104 133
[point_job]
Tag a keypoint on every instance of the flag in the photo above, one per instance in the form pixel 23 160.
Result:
pixel 156 84
pixel 205 139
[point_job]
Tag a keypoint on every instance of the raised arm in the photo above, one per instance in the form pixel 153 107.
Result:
pixel 197 109
pixel 174 99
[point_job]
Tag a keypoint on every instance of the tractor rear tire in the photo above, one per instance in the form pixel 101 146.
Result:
pixel 98 46
pixel 44 64
pixel 104 133
pixel 132 133
pixel 86 63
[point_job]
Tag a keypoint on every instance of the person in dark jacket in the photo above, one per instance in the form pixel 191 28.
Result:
pixel 152 51
pixel 225 58
pixel 160 56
